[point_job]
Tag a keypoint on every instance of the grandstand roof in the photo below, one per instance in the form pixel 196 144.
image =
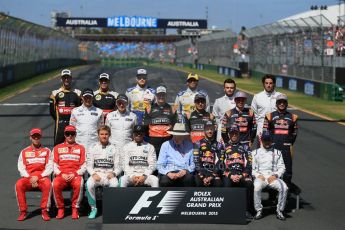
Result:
pixel 332 13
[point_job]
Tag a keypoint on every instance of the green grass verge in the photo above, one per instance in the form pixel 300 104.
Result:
pixel 327 109
pixel 19 87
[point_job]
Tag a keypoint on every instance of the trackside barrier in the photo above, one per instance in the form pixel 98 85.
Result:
pixel 174 205
pixel 228 71
pixel 327 91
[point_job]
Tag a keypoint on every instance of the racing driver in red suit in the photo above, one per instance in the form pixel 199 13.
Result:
pixel 69 168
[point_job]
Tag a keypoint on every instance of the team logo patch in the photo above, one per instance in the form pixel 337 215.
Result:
pixel 43 154
pixel 98 97
pixel 63 150
pixel 61 94
pixel 30 154
pixel 76 151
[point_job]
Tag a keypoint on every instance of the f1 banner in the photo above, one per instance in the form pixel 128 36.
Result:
pixel 174 205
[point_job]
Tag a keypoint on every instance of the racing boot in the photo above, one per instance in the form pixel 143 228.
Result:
pixel 258 215
pixel 75 213
pixel 22 216
pixel 93 213
pixel 61 213
pixel 45 215
pixel 280 215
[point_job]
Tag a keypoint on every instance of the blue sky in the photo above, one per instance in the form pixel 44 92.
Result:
pixel 221 13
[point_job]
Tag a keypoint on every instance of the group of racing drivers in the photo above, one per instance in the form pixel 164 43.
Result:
pixel 138 139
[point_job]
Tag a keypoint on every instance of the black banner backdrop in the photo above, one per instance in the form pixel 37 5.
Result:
pixel 174 205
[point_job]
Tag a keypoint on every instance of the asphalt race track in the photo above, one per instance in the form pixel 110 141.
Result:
pixel 318 162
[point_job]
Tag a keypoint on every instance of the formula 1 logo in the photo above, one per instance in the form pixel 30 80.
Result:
pixel 168 204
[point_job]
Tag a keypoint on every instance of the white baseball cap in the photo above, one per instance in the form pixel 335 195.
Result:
pixel 141 72
pixel 161 89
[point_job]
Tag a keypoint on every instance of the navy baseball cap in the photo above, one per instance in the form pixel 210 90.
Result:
pixel 199 96
pixel 87 92
pixel 138 129
pixel 234 128
pixel 122 97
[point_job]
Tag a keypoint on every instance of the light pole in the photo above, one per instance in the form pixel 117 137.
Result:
pixel 321 8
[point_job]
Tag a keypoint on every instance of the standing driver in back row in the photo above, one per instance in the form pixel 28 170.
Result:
pixel 140 97
pixel 184 102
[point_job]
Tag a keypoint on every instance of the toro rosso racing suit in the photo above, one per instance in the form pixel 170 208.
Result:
pixel 139 160
pixel 283 128
pixel 140 99
pixel 61 103
pixel 196 124
pixel 159 119
pixel 34 162
pixel 121 125
pixel 268 162
pixel 106 101
pixel 87 121
pixel 206 154
pixel 68 159
pixel 184 102
pixel 245 120
pixel 101 160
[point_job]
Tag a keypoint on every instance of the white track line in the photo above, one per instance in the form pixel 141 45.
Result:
pixel 23 104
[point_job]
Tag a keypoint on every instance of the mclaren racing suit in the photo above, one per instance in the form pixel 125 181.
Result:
pixel 87 121
pixel 61 103
pixel 139 160
pixel 245 120
pixel 68 159
pixel 283 128
pixel 140 99
pixel 34 162
pixel 206 154
pixel 101 160
pixel 196 124
pixel 121 125
pixel 268 162
pixel 159 119
pixel 106 101
pixel 262 104
pixel 184 102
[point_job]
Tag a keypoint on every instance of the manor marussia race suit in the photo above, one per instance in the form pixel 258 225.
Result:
pixel 61 103
pixel 101 160
pixel 106 101
pixel 140 99
pixel 268 162
pixel 262 104
pixel 184 102
pixel 139 160
pixel 121 125
pixel 34 162
pixel 68 159
pixel 87 121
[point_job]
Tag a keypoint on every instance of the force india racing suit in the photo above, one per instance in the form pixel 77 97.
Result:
pixel 61 103
pixel 68 159
pixel 34 162
pixel 159 119
pixel 139 160
pixel 196 124
pixel 121 125
pixel 268 162
pixel 106 101
pixel 283 128
pixel 220 107
pixel 184 102
pixel 262 104
pixel 140 99
pixel 101 160
pixel 87 121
